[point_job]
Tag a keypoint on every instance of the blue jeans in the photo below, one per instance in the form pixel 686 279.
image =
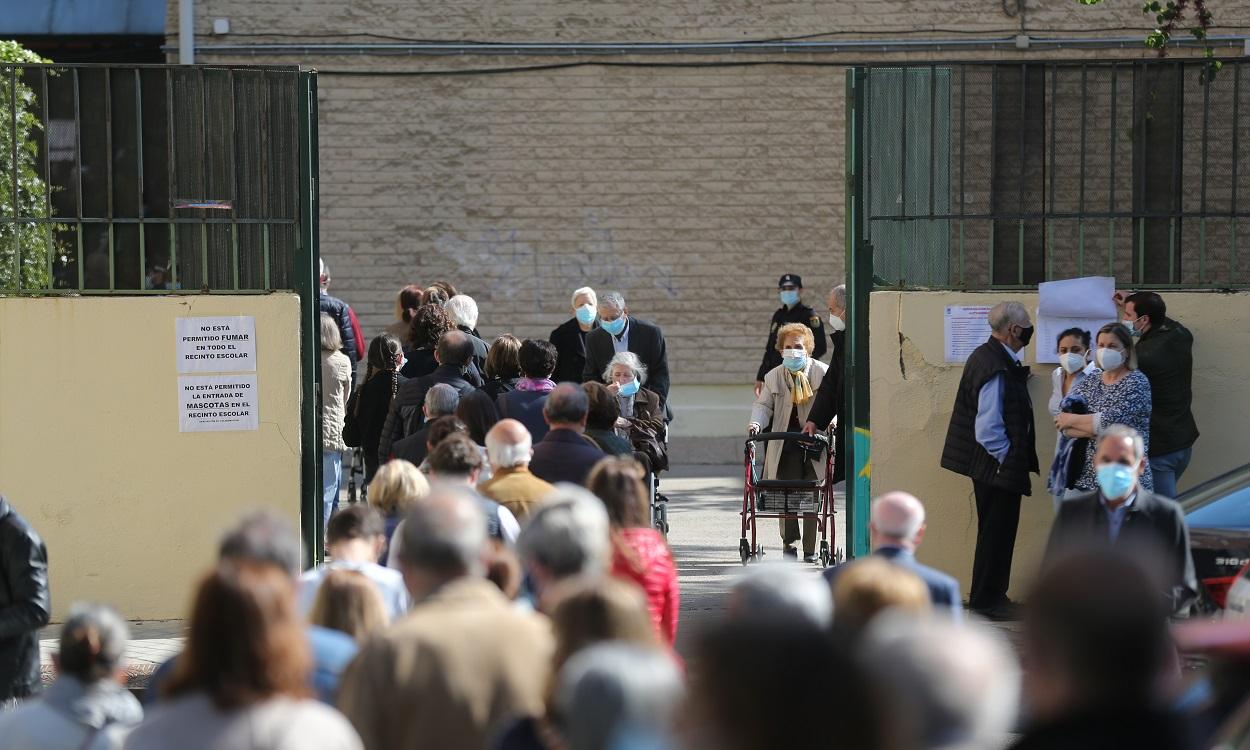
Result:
pixel 1168 468
pixel 331 478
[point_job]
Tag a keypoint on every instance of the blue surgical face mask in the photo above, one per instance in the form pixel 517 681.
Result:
pixel 614 327
pixel 585 314
pixel 1116 480
pixel 794 359
pixel 630 388
pixel 789 296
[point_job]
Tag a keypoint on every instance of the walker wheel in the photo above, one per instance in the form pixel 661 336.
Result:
pixel 824 554
pixel 744 551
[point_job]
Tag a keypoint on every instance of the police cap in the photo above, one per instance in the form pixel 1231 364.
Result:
pixel 790 279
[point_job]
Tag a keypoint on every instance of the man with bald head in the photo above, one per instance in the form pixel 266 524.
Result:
pixel 895 530
pixel 509 447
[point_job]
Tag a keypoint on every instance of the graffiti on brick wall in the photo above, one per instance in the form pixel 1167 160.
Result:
pixel 508 268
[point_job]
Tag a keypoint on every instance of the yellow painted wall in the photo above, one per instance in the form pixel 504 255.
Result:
pixel 90 452
pixel 912 391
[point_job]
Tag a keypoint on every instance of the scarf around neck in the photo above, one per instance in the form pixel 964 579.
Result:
pixel 538 385
pixel 800 387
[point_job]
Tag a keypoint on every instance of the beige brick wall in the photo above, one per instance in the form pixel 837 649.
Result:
pixel 690 189
pixel 674 20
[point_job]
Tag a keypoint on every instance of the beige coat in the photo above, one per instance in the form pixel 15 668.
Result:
pixel 775 402
pixel 336 386
pixel 451 674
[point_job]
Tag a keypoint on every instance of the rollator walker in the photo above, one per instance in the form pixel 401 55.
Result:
pixel 787 498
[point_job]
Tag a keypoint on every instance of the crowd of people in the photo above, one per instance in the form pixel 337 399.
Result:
pixel 505 585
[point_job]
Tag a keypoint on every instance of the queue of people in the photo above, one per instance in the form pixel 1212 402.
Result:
pixel 504 586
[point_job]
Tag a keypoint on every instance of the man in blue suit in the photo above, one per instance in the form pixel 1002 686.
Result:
pixel 895 530
pixel 565 454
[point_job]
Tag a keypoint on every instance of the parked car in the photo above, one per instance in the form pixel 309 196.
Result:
pixel 1218 514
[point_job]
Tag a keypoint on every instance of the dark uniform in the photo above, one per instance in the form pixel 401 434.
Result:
pixel 800 313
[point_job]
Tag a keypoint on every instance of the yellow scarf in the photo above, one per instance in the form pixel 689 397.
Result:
pixel 800 388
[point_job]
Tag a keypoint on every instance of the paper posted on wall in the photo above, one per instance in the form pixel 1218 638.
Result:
pixel 965 327
pixel 217 403
pixel 1085 303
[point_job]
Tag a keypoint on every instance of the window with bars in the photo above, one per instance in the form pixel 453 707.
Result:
pixel 154 179
pixel 1051 170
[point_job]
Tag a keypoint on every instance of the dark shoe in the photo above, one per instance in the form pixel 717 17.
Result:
pixel 809 558
pixel 1007 611
pixel 790 552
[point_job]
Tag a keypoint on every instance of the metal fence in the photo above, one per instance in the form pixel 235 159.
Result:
pixel 149 179
pixel 999 175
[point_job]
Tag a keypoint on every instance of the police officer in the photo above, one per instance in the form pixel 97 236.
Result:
pixel 790 287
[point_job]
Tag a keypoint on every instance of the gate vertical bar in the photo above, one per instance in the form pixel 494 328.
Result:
pixel 859 262
pixel 306 283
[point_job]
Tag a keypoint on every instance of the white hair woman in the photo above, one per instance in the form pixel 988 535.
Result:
pixel 625 376
pixel 569 338
pixel 783 405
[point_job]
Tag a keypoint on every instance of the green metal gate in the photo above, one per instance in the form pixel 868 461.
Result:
pixel 1001 175
pixel 162 179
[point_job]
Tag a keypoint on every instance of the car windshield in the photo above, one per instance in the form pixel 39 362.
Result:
pixel 1232 511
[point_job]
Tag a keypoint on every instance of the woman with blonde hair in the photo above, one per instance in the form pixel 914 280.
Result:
pixel 871 585
pixel 396 487
pixel 783 405
pixel 348 602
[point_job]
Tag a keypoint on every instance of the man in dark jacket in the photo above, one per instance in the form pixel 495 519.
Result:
pixel 343 317
pixel 792 310
pixel 619 331
pixel 564 455
pixel 569 338
pixel 895 530
pixel 1165 356
pixel 440 401
pixel 25 605
pixel 991 441
pixel 1123 516
pixel 1096 633
pixel 454 353
pixel 827 403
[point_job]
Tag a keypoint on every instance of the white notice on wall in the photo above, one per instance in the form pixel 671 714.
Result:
pixel 225 344
pixel 1083 303
pixel 966 327
pixel 217 403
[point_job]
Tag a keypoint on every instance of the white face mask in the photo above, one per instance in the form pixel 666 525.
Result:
pixel 836 323
pixel 1110 359
pixel 1072 362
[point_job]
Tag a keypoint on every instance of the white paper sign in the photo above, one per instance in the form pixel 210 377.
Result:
pixel 1086 297
pixel 226 344
pixel 965 327
pixel 217 403
pixel 1083 303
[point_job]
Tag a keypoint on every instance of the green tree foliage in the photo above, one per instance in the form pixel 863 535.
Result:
pixel 25 247
pixel 1179 16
